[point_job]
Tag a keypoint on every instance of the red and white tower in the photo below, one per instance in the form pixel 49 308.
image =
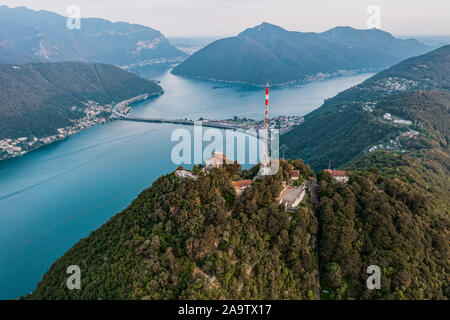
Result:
pixel 266 160
pixel 267 106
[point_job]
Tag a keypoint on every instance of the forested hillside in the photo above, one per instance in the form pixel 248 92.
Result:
pixel 183 239
pixel 395 214
pixel 38 98
pixel 346 126
pixel 392 220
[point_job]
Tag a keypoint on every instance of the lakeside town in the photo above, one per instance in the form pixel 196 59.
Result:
pixel 283 123
pixel 96 114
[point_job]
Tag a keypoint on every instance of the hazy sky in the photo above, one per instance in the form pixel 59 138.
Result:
pixel 229 17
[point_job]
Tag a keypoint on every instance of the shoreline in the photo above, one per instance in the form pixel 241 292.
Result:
pixel 125 106
pixel 68 131
pixel 318 77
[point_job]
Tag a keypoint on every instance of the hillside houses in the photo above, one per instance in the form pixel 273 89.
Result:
pixel 410 134
pixel 389 117
pixel 293 192
pixel 293 186
pixel 217 160
pixel 291 196
pixel 404 122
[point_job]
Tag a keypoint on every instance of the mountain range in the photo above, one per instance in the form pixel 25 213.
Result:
pixel 42 36
pixel 269 53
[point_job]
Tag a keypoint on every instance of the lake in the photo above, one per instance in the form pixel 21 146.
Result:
pixel 53 197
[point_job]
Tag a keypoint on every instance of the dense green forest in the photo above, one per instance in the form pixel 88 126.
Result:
pixel 388 222
pixel 53 89
pixel 183 239
pixel 394 212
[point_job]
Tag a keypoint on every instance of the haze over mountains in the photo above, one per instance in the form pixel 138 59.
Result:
pixel 27 36
pixel 271 53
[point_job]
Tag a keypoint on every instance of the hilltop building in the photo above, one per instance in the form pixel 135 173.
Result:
pixel 292 196
pixel 216 161
pixel 240 186
pixel 339 175
pixel 294 174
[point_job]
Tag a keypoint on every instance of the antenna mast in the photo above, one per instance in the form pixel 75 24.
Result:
pixel 266 128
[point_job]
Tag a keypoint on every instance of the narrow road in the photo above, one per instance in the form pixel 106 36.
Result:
pixel 315 201
pixel 313 191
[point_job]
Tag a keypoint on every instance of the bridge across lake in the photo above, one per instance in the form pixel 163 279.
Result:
pixel 185 122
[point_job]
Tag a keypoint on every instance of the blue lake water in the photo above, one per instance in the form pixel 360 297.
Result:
pixel 53 197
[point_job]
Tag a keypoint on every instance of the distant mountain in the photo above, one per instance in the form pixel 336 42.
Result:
pixel 271 53
pixel 38 98
pixel 27 36
pixel 346 126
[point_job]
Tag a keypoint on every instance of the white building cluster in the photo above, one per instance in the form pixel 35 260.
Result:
pixel 94 114
pixel 387 116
